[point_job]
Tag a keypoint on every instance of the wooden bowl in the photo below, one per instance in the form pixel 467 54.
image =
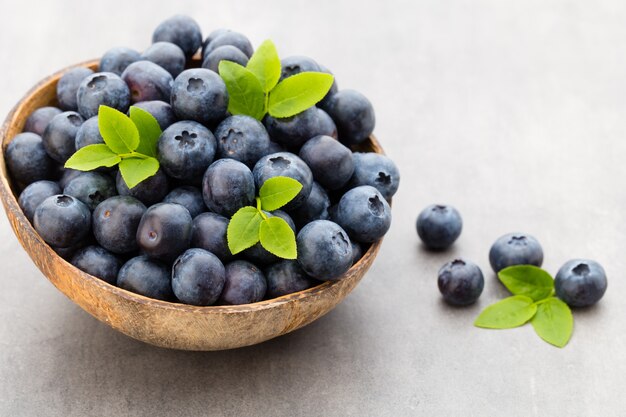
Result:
pixel 161 323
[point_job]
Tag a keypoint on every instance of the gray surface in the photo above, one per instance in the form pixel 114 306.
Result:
pixel 512 111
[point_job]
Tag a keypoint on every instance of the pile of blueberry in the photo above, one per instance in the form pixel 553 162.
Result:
pixel 166 237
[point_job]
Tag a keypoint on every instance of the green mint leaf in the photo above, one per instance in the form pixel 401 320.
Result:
pixel 245 94
pixel 527 280
pixel 553 322
pixel 243 229
pixel 278 238
pixel 297 93
pixel 265 65
pixel 149 131
pixel 278 191
pixel 118 131
pixel 135 170
pixel 508 313
pixel 92 157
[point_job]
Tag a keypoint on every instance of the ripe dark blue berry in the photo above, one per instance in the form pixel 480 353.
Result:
pixel 186 149
pixel 228 185
pixel 88 134
pixel 353 115
pixel 115 223
pixel 39 119
pixel 35 194
pixel 515 249
pixel 115 60
pixel 67 87
pixel 293 132
pixel 98 262
pixel 315 207
pixel 62 220
pixel 188 197
pixel 164 231
pixel 166 55
pixel 439 226
pixel 245 283
pixel 324 250
pixel 60 135
pixel 92 188
pixel 224 53
pixel 286 277
pixel 161 111
pixel 364 213
pixel 331 162
pixel 180 30
pixel 209 233
pixel 235 39
pixel 102 88
pixel 147 81
pixel 150 191
pixel 285 164
pixel 580 282
pixel 460 282
pixel 376 170
pixel 293 65
pixel 214 34
pixel 27 159
pixel 200 94
pixel 198 277
pixel 242 138
pixel 147 277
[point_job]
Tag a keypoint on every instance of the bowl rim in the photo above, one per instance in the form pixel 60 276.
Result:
pixel 11 203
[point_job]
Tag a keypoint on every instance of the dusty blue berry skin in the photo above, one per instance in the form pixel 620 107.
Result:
pixel 200 94
pixel 62 220
pixel 60 135
pixel 245 284
pixel 330 161
pixel 353 115
pixel 214 34
pixel 293 132
pixel 285 164
pixel 115 222
pixel 99 262
pixel 293 65
pixel 189 197
pixel 147 277
pixel 333 88
pixel 357 252
pixel 314 208
pixel 242 138
pixel 88 134
pixel 27 159
pixel 162 112
pixel 147 81
pixel 102 88
pixel 186 149
pixel 67 175
pixel 166 55
pixel 324 250
pixel 376 170
pixel 364 214
pixel 67 87
pixel 580 282
pixel 286 277
pixel 209 233
pixel 39 119
pixel 150 191
pixel 180 30
pixel 460 282
pixel 275 148
pixel 198 277
pixel 235 39
pixel 439 226
pixel 515 249
pixel 35 194
pixel 257 254
pixel 227 186
pixel 116 60
pixel 92 188
pixel 224 53
pixel 164 231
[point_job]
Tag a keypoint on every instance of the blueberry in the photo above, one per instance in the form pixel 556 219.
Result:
pixel 166 55
pixel 286 277
pixel 186 149
pixel 92 188
pixel 364 213
pixel 242 138
pixel 224 53
pixel 214 34
pixel 200 94
pixel 162 112
pixel 333 88
pixel 164 231
pixel 331 162
pixel 228 185
pixel 188 197
pixel 294 131
pixel 198 277
pixel 39 119
pixel 68 253
pixel 439 226
pixel 147 81
pixel 315 207
pixel 115 60
pixel 34 194
pixel 235 39
pixel 275 148
pixel 180 30
pixel 209 233
pixel 460 282
pixel 257 253
pixel 115 223
pixel 67 87
pixel 62 220
pixel 98 262
pixel 27 159
pixel 515 249
pixel 293 65
pixel 580 282
pixel 324 250
pixel 146 277
pixel 357 252
pixel 59 137
pixel 102 88
pixel 67 175
pixel 245 284
pixel 353 114
pixel 149 191
pixel 88 134
pixel 285 164
pixel 376 170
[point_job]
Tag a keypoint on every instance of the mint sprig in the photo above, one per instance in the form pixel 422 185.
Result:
pixel 250 225
pixel 130 142
pixel 533 300
pixel 255 90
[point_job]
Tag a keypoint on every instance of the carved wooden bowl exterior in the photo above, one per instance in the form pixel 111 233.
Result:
pixel 161 323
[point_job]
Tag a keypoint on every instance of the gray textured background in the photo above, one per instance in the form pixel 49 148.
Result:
pixel 512 111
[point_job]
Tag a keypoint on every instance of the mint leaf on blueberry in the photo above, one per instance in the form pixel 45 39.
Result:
pixel 527 280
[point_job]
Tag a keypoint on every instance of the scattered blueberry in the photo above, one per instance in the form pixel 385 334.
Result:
pixel 515 249
pixel 242 138
pixel 147 81
pixel 102 88
pixel 209 233
pixel 92 188
pixel 364 213
pixel 39 119
pixel 214 34
pixel 285 164
pixel 149 191
pixel 27 159
pixel 198 277
pixel 376 170
pixel 115 223
pixel 235 39
pixel 200 94
pixel 166 55
pixel 88 134
pixel 60 135
pixel 162 112
pixel 147 277
pixel 62 220
pixel 293 65
pixel 324 250
pixel 286 277
pixel 460 282
pixel 67 87
pixel 245 283
pixel 188 197
pixel 98 262
pixel 315 207
pixel 182 31
pixel 439 226
pixel 115 60
pixel 164 231
pixel 186 149
pixel 224 53
pixel 353 114
pixel 228 185
pixel 580 282
pixel 35 194
pixel 331 162
pixel 294 131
